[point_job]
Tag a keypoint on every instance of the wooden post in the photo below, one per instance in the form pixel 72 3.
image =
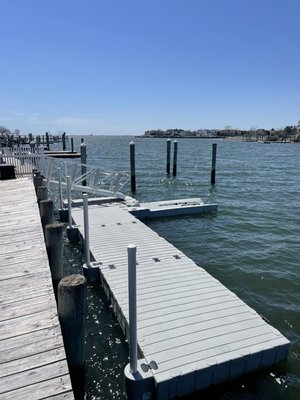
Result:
pixel 72 145
pixel 37 181
pixel 132 167
pixel 32 147
pixel 213 164
pixel 83 161
pixel 46 211
pixel 54 245
pixel 168 156
pixel 175 158
pixel 63 138
pixel 72 313
pixel 42 193
pixel 47 141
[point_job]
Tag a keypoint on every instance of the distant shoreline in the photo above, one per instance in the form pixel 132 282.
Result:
pixel 191 137
pixel 180 137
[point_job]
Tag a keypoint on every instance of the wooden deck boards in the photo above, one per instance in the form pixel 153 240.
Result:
pixel 32 357
pixel 197 331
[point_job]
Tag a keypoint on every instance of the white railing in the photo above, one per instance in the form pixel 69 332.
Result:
pixel 83 177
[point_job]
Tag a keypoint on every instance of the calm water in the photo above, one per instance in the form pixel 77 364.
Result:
pixel 251 245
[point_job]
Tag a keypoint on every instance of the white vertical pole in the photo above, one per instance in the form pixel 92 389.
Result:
pixel 49 172
pixel 69 201
pixel 86 230
pixel 131 249
pixel 61 203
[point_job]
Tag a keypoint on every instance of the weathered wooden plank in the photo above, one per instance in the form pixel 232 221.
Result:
pixel 30 343
pixel 11 293
pixel 21 271
pixel 32 376
pixel 26 307
pixel 32 361
pixel 58 386
pixel 27 323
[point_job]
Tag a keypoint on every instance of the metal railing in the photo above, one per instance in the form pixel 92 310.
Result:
pixel 83 177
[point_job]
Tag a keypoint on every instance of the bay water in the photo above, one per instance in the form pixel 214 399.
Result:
pixel 251 244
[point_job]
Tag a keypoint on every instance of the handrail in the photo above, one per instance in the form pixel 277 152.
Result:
pixel 94 180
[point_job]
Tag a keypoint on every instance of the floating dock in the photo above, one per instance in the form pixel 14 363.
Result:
pixel 170 208
pixel 192 331
pixel 32 357
pixel 61 154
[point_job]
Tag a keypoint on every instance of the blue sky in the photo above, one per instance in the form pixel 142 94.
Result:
pixel 122 67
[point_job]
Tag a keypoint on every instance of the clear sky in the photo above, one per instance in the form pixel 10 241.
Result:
pixel 126 66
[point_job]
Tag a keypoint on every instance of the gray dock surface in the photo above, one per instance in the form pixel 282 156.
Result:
pixel 32 357
pixel 197 331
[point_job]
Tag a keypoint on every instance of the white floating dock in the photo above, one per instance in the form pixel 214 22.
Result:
pixel 197 331
pixel 170 208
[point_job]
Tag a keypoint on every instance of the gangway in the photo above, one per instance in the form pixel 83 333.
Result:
pixel 84 177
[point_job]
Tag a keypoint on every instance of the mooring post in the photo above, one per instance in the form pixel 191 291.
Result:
pixel 132 166
pixel 54 245
pixel 47 141
pixel 83 162
pixel 37 181
pixel 32 147
pixel 175 158
pixel 69 201
pixel 90 271
pixel 86 230
pixel 72 145
pixel 213 164
pixel 131 249
pixel 72 314
pixel 168 156
pixel 139 380
pixel 46 211
pixel 63 212
pixel 42 193
pixel 72 231
pixel 61 202
pixel 63 138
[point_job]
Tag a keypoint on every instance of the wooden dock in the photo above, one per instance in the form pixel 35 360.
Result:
pixel 197 331
pixel 32 357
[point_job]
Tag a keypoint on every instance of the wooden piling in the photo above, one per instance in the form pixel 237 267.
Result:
pixel 213 164
pixel 47 141
pixel 54 245
pixel 168 156
pixel 132 167
pixel 72 313
pixel 46 211
pixel 72 145
pixel 32 147
pixel 42 193
pixel 63 138
pixel 175 158
pixel 37 181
